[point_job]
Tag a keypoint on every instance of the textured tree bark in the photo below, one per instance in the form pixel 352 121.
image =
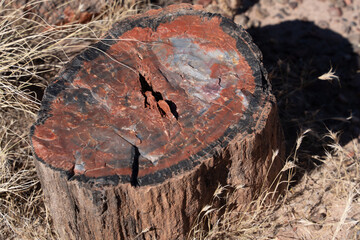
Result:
pixel 137 132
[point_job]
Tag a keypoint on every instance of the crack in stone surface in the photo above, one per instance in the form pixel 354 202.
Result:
pixel 155 100
pixel 135 166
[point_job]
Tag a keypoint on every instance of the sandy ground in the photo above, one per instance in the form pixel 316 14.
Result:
pixel 301 40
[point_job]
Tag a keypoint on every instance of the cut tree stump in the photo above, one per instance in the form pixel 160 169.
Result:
pixel 137 132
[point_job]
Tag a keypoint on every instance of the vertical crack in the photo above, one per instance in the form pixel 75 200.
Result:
pixel 173 108
pixel 135 166
pixel 144 88
pixel 154 100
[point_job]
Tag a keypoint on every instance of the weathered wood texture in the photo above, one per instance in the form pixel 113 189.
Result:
pixel 137 131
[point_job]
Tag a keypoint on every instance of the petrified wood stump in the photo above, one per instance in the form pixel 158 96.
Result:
pixel 136 133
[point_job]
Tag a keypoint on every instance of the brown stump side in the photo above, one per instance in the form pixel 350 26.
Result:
pixel 136 133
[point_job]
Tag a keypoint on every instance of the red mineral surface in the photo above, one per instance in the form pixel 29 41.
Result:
pixel 152 99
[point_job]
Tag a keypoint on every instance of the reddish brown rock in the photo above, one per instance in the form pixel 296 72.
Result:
pixel 234 4
pixel 137 132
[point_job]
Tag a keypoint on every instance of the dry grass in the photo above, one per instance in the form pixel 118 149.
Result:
pixel 323 205
pixel 32 51
pixel 255 221
pixel 320 203
pixel 329 76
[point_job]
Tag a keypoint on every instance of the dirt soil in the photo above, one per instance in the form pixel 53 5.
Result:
pixel 301 40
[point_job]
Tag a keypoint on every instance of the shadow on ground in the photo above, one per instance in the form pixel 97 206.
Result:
pixel 296 53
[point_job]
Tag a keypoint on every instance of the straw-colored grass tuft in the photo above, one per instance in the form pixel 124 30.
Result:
pixel 32 51
pixel 323 205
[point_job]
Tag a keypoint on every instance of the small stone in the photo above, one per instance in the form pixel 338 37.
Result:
pixel 348 2
pixel 284 12
pixel 304 18
pixel 267 2
pixel 241 19
pixel 255 23
pixel 293 5
pixel 346 28
pixel 318 215
pixel 234 4
pixel 260 13
pixel 280 16
pixel 213 8
pixel 340 3
pixel 323 24
pixel 335 12
pixel 282 1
